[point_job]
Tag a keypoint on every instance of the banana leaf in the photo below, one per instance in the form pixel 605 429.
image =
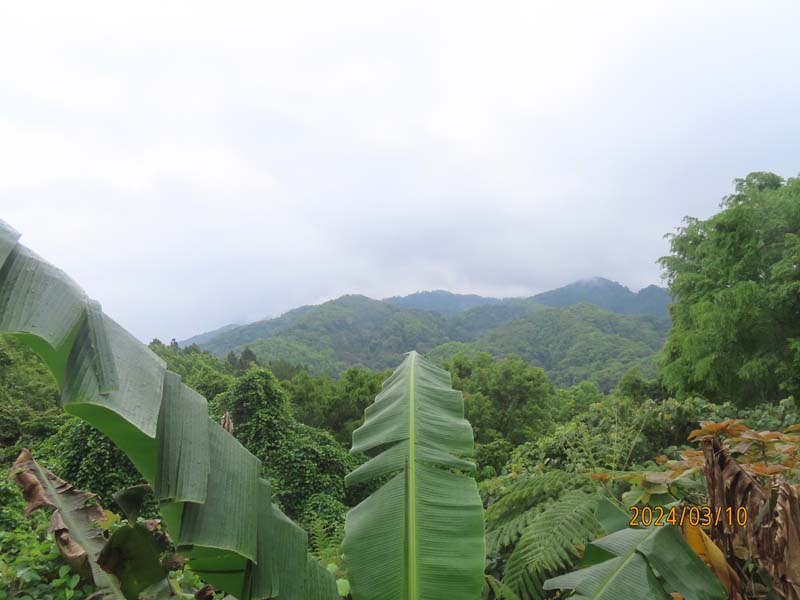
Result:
pixel 420 536
pixel 212 500
pixel 647 563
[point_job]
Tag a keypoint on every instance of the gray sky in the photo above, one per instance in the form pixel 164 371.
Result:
pixel 194 164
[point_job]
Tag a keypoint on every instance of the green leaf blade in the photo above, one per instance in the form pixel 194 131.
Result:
pixel 419 537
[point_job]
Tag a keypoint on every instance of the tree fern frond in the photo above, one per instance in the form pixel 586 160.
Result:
pixel 524 499
pixel 505 531
pixel 318 536
pixel 494 589
pixel 548 544
pixel 530 490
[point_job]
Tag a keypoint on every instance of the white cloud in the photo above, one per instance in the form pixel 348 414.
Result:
pixel 194 163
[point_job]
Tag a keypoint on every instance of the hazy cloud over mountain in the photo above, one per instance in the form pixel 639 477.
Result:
pixel 195 164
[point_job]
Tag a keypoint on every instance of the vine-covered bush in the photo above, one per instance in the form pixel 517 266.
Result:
pixel 86 458
pixel 302 462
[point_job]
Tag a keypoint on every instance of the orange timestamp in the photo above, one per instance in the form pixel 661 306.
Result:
pixel 693 515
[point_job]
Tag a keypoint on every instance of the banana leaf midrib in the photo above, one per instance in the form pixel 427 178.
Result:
pixel 411 503
pixel 623 563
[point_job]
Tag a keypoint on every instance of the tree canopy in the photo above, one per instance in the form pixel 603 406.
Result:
pixel 735 278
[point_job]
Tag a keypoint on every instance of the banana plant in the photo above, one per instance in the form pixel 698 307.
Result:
pixel 420 536
pixel 214 503
pixel 647 562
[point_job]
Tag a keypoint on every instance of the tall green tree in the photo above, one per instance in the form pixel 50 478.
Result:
pixel 507 399
pixel 735 279
pixel 336 405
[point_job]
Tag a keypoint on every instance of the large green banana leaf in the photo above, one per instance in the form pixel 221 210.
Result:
pixel 214 503
pixel 640 557
pixel 420 536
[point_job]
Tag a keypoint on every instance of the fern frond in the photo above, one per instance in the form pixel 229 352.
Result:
pixel 317 536
pixel 530 490
pixel 548 545
pixel 324 540
pixel 494 589
pixel 524 499
pixel 505 531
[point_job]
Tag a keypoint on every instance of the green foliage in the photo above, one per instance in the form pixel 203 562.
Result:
pixel 24 378
pixel 610 295
pixel 199 370
pixel 618 432
pixel 336 405
pixel 420 536
pixel 576 399
pixel 550 543
pixel 503 399
pixel 31 567
pixel 574 344
pixel 301 462
pixel 285 370
pixel 492 457
pixel 324 513
pixel 471 324
pixel 736 282
pixel 766 417
pixel 29 405
pixel 496 590
pixel 634 386
pixel 89 460
pixel 644 563
pixel 10 419
pixel 325 534
pixel 132 555
pixel 208 382
pixel 349 331
pixel 441 301
pixel 515 502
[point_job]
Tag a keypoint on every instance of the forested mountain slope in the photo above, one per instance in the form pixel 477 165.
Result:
pixel 202 338
pixel 652 300
pixel 574 343
pixel 348 331
pixel 442 301
pixel 245 334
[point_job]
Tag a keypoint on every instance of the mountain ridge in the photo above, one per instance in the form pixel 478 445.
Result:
pixel 566 338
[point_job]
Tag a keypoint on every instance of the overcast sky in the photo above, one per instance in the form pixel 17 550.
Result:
pixel 193 164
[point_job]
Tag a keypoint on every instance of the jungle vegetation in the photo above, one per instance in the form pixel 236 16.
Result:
pixel 501 463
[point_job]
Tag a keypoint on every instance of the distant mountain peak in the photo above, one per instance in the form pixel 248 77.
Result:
pixel 597 281
pixel 441 301
pixel 202 338
pixel 609 294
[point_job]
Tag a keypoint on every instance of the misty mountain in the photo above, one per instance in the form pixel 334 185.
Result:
pixel 202 338
pixel 441 301
pixel 579 342
pixel 571 340
pixel 652 300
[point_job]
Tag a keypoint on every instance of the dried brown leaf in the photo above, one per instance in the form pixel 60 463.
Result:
pixel 772 533
pixel 41 488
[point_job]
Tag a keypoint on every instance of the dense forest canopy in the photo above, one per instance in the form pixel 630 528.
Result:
pixel 575 405
pixel 736 282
